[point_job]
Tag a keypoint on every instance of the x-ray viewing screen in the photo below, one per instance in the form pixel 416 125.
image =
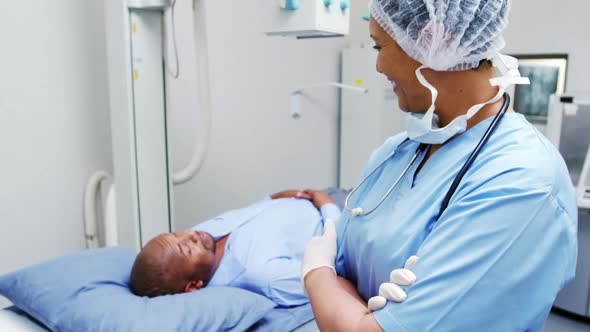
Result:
pixel 533 99
pixel 574 141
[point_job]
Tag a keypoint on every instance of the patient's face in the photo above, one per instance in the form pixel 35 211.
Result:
pixel 190 253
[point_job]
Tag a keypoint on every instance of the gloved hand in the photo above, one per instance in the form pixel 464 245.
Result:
pixel 320 251
pixel 391 290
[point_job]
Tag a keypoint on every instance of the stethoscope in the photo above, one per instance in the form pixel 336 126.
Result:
pixel 360 212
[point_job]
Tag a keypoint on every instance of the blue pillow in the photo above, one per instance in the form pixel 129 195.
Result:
pixel 89 291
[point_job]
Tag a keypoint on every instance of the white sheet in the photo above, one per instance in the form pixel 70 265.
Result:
pixel 12 322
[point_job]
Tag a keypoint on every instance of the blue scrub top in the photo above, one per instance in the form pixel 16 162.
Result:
pixel 497 256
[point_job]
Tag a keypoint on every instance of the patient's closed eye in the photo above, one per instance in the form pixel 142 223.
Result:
pixel 194 238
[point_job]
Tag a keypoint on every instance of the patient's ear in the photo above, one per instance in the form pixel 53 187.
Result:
pixel 194 285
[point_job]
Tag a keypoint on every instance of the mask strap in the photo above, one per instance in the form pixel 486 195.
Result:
pixel 510 75
pixel 433 91
pixel 475 108
pixel 508 67
pixel 430 113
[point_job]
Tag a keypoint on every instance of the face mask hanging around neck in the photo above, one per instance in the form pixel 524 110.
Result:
pixel 423 127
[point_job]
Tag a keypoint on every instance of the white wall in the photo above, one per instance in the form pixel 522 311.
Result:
pixel 256 148
pixel 359 28
pixel 54 126
pixel 551 27
pixel 539 27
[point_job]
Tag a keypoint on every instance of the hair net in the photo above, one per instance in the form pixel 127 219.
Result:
pixel 445 34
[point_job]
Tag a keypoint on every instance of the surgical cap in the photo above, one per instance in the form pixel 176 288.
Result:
pixel 445 34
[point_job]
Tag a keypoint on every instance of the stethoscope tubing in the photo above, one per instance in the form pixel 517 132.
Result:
pixel 474 154
pixel 421 148
pixel 359 212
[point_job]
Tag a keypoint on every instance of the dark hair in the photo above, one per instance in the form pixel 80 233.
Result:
pixel 485 63
pixel 153 275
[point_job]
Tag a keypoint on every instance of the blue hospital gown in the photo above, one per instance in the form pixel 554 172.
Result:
pixel 264 250
pixel 498 255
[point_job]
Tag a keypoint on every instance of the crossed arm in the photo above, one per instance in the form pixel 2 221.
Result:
pixel 335 298
pixel 325 289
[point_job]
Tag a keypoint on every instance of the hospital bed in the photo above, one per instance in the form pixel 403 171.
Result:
pixel 98 299
pixel 13 319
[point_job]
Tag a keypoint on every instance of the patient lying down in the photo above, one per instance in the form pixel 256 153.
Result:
pixel 257 248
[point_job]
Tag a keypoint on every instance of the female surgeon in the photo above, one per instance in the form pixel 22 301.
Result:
pixel 471 188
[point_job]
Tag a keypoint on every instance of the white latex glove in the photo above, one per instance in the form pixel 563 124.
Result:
pixel 391 290
pixel 320 251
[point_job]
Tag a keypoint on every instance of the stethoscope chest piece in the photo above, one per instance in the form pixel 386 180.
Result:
pixel 357 211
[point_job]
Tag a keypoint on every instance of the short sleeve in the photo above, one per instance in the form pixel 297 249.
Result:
pixel 494 261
